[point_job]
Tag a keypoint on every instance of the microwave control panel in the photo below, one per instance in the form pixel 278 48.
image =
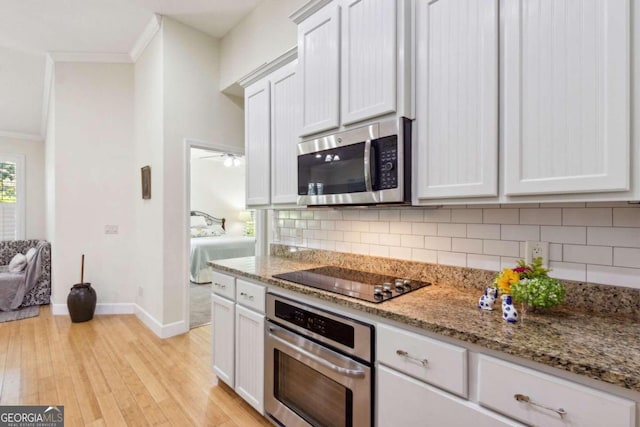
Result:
pixel 386 150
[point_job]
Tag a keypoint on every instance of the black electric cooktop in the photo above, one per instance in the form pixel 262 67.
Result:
pixel 353 283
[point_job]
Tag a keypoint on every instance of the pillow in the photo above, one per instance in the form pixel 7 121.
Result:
pixel 198 221
pixel 30 254
pixel 216 230
pixel 18 263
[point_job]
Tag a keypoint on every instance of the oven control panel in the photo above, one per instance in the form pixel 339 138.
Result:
pixel 386 150
pixel 316 323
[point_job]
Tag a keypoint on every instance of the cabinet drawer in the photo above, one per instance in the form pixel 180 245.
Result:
pixel 250 295
pixel 432 361
pixel 499 382
pixel 223 284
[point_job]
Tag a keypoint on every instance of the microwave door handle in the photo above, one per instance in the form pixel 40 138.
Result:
pixel 367 166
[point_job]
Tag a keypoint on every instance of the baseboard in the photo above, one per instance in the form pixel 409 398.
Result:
pixel 162 331
pixel 101 308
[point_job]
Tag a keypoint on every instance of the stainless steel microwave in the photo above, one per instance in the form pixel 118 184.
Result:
pixel 368 165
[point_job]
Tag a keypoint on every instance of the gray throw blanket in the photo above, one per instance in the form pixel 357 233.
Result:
pixel 14 286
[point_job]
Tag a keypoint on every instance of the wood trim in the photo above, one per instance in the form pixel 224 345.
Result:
pixel 269 67
pixel 307 10
pixel 149 32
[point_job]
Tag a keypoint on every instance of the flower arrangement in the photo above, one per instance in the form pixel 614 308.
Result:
pixel 530 284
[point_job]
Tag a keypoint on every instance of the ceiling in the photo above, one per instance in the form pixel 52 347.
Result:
pixel 29 29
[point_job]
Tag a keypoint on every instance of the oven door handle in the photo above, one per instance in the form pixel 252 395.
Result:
pixel 367 166
pixel 288 339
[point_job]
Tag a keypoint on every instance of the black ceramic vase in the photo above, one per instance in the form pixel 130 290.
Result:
pixel 81 302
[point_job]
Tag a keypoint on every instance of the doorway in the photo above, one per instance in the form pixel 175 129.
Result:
pixel 218 222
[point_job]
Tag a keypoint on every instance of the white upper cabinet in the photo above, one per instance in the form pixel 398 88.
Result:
pixel 257 130
pixel 368 59
pixel 285 127
pixel 457 98
pixel 566 99
pixel 319 59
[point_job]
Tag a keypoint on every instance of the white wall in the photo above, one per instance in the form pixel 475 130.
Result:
pixel 49 166
pixel 34 167
pixel 93 184
pixel 262 35
pixel 149 147
pixel 194 108
pixel 596 242
pixel 219 191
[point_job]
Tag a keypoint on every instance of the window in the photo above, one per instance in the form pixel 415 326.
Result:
pixel 12 203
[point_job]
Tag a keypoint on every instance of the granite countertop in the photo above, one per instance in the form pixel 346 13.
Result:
pixel 605 348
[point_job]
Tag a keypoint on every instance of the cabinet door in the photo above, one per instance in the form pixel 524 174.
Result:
pixel 250 357
pixel 285 127
pixel 457 98
pixel 368 59
pixel 319 59
pixel 405 401
pixel 256 135
pixel 222 338
pixel 566 96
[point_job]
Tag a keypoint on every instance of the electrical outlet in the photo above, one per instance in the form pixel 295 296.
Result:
pixel 110 229
pixel 537 250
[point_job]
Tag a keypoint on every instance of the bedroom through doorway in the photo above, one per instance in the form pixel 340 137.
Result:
pixel 220 227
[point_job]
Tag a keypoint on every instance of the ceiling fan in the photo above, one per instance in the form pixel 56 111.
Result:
pixel 230 159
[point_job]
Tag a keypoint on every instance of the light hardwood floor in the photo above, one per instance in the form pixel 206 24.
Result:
pixel 113 371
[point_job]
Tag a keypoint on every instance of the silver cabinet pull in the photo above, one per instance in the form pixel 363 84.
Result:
pixel 246 295
pixel 423 362
pixel 219 285
pixel 527 399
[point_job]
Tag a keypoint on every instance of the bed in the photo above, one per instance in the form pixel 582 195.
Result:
pixel 209 242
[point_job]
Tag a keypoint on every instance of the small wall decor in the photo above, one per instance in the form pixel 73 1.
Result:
pixel 146 182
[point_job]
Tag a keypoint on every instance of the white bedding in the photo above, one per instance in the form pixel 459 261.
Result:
pixel 205 249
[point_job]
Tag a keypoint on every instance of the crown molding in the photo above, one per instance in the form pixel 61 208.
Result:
pixel 307 10
pixel 110 58
pixel 149 32
pixel 23 136
pixel 268 67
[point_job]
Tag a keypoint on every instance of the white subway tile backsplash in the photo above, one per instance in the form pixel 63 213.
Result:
pixel 452 258
pixel 587 216
pixel 520 232
pixel 613 275
pixel 359 226
pixel 483 262
pixel 470 246
pixel 499 247
pixel 626 257
pixel 614 236
pixel 598 242
pixel 371 238
pixel 483 231
pixel 424 255
pixel 541 216
pixel 437 215
pixel 559 234
pixel 568 271
pixel 437 243
pixel 452 230
pixel 390 239
pixel 588 254
pixel 389 215
pixel 466 216
pixel 555 252
pixel 400 227
pixel 424 228
pixel 410 241
pixel 626 217
pixel 501 216
pixel 412 215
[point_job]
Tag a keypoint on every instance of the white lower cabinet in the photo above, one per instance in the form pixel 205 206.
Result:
pixel 250 357
pixel 544 400
pixel 237 337
pixel 405 401
pixel 222 338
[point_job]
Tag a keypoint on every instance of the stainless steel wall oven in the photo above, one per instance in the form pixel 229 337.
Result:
pixel 318 367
